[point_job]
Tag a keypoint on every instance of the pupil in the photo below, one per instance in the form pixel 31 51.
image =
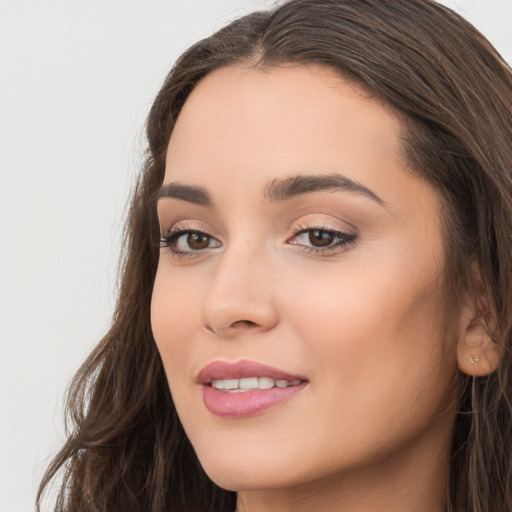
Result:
pixel 197 241
pixel 320 238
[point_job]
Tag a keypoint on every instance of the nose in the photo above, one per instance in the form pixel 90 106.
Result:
pixel 241 296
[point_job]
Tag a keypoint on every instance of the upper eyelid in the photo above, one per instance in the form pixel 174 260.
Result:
pixel 326 225
pixel 335 217
pixel 294 228
pixel 180 231
pixel 183 225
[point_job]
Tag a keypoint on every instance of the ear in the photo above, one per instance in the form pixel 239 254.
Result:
pixel 477 354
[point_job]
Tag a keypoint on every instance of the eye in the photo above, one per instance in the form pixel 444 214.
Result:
pixel 322 240
pixel 184 241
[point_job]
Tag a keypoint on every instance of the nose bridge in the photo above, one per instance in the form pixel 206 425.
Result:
pixel 240 293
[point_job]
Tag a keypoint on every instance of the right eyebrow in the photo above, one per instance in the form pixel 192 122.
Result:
pixel 191 194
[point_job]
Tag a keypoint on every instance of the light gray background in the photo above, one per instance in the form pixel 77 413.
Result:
pixel 76 81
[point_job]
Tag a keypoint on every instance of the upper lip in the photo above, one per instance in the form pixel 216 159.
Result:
pixel 242 369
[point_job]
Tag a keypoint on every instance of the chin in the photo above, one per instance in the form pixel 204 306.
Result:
pixel 241 471
pixel 249 479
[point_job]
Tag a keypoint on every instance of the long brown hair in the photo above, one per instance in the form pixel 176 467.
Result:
pixel 126 449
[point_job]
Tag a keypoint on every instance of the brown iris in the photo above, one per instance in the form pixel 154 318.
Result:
pixel 320 238
pixel 198 241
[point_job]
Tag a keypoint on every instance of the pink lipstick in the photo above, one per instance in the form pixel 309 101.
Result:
pixel 244 388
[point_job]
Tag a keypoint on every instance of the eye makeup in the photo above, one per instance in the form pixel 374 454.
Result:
pixel 186 241
pixel 322 239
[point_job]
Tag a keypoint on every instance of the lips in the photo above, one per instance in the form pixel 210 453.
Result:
pixel 245 388
pixel 242 369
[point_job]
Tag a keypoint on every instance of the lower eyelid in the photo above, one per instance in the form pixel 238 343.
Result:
pixel 332 250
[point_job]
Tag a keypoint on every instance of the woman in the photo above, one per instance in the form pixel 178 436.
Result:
pixel 318 268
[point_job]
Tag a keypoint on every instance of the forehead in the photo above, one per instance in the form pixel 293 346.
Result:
pixel 261 122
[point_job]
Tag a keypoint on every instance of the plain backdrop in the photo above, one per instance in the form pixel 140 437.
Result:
pixel 77 79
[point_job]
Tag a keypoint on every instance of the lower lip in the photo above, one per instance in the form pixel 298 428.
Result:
pixel 247 403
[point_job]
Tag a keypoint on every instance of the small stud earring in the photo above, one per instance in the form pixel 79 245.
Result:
pixel 474 360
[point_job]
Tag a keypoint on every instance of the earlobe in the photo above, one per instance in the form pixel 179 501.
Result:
pixel 478 354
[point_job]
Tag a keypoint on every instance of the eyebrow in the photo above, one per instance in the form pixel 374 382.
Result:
pixel 276 190
pixel 280 190
pixel 191 194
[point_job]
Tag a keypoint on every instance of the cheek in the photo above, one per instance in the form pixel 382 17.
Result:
pixel 381 362
pixel 174 307
pixel 375 323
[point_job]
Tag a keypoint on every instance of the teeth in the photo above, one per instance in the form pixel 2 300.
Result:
pixel 265 383
pixel 248 383
pixel 231 383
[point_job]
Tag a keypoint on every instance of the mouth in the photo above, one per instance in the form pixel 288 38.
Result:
pixel 245 388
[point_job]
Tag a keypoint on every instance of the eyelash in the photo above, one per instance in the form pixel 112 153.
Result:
pixel 174 234
pixel 346 239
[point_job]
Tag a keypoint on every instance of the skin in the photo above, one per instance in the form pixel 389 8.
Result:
pixel 365 324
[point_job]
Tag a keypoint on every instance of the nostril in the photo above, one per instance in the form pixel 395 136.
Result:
pixel 239 324
pixel 244 323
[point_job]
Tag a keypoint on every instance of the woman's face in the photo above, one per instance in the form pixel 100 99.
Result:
pixel 299 251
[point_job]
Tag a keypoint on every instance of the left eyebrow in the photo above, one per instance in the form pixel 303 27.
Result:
pixel 280 190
